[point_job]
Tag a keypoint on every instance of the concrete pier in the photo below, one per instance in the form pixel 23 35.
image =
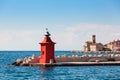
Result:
pixel 70 61
pixel 115 63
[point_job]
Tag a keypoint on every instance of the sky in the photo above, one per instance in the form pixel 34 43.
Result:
pixel 70 22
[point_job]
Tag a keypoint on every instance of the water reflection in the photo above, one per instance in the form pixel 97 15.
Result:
pixel 45 68
pixel 46 73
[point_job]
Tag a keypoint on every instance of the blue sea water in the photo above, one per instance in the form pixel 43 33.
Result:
pixel 52 73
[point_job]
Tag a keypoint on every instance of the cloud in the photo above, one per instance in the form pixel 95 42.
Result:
pixel 20 39
pixel 74 37
pixel 69 38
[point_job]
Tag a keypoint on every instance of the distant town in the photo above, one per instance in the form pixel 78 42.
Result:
pixel 93 46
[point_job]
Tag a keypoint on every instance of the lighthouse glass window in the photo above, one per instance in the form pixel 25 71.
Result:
pixel 42 52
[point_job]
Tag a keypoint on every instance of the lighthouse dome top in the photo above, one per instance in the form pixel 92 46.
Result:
pixel 47 39
pixel 47 33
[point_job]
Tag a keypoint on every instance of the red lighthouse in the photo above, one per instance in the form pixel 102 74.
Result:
pixel 47 49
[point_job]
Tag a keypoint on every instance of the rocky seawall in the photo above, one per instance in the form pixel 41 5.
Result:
pixel 64 60
pixel 26 61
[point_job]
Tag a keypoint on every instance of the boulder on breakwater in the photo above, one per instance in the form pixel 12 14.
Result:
pixel 26 61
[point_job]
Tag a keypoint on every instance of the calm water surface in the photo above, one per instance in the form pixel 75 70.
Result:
pixel 52 73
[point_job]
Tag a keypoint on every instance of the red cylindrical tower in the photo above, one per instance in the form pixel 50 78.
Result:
pixel 47 50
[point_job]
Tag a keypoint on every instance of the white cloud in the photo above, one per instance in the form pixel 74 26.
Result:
pixel 74 37
pixel 20 39
pixel 69 38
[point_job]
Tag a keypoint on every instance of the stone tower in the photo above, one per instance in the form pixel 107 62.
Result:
pixel 94 38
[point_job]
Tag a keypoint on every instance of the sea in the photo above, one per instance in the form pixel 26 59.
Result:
pixel 8 72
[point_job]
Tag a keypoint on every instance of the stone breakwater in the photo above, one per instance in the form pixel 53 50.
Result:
pixel 87 59
pixel 26 61
pixel 96 52
pixel 65 60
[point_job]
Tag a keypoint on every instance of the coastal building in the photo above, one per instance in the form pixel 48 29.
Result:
pixel 93 45
pixel 96 47
pixel 113 46
pixel 108 47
